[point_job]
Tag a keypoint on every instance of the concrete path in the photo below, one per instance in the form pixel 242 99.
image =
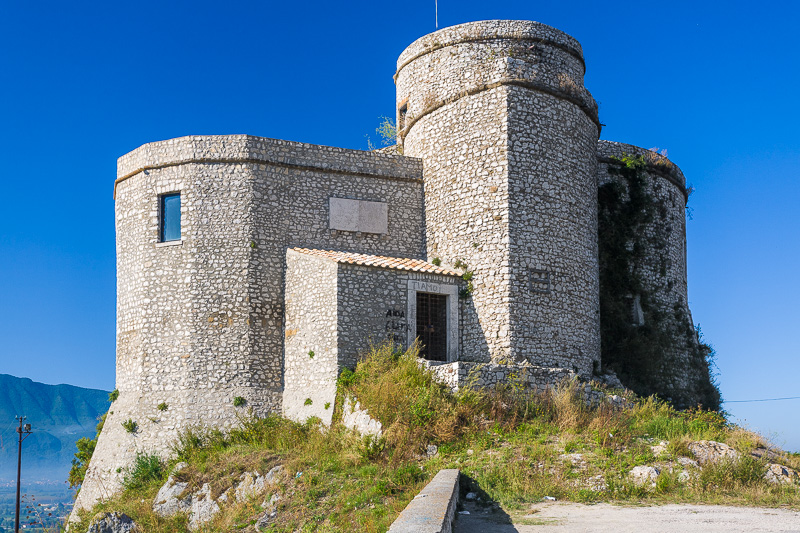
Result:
pixel 565 517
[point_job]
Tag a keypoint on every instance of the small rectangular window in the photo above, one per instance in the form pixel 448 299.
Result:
pixel 540 281
pixel 401 116
pixel 170 223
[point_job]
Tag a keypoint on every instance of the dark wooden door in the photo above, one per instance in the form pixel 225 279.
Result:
pixel 432 325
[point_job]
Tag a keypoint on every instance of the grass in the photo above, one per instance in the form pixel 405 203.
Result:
pixel 513 446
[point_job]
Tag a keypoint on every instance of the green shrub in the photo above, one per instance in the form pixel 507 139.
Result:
pixel 387 130
pixel 188 444
pixel 660 420
pixel 162 406
pixel 145 469
pixel 82 457
pixel 347 378
pixel 130 426
pixel 239 401
pixel 308 401
pixel 113 395
pixel 372 446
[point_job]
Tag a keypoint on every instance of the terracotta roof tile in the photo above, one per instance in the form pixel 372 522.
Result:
pixel 414 265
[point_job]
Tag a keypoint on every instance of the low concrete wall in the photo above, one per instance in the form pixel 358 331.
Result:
pixel 433 509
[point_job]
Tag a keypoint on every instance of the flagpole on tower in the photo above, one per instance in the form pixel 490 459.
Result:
pixel 437 13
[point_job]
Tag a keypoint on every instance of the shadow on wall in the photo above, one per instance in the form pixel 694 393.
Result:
pixel 472 338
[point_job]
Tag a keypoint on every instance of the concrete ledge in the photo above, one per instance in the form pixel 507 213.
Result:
pixel 433 509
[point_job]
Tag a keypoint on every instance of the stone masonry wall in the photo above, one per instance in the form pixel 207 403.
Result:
pixel 489 375
pixel 680 372
pixel 200 321
pixel 507 133
pixel 336 310
pixel 312 343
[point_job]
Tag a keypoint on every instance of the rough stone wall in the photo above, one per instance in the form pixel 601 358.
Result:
pixel 336 310
pixel 507 133
pixel 497 113
pixel 679 371
pixel 311 350
pixel 489 375
pixel 373 306
pixel 200 321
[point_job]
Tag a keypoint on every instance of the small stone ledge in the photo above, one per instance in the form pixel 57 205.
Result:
pixel 459 374
pixel 433 509
pixel 178 242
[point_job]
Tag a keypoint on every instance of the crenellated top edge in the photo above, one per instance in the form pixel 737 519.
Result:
pixel 489 29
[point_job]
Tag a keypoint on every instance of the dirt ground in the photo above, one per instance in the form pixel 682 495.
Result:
pixel 558 517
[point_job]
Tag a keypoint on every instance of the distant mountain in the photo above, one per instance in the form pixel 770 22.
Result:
pixel 59 415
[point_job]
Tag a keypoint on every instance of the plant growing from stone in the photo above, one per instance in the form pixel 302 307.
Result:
pixel 162 406
pixel 130 426
pixel 387 131
pixel 239 401
pixel 466 276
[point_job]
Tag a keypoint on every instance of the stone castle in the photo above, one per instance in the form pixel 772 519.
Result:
pixel 251 270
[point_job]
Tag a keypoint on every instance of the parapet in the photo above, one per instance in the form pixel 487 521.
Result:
pixel 490 29
pixel 467 59
pixel 262 150
pixel 657 164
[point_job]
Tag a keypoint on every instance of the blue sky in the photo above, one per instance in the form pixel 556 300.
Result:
pixel 83 83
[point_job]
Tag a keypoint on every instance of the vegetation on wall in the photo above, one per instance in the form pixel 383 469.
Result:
pixel 643 353
pixel 387 134
pixel 466 276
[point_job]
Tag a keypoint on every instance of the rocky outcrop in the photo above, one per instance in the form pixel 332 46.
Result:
pixel 203 507
pixel 113 523
pixel 251 484
pixel 175 497
pixel 172 497
pixel 269 514
pixel 358 419
pixel 642 475
pixel 709 451
pixel 780 474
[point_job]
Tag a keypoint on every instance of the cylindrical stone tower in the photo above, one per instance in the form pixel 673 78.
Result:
pixel 649 338
pixel 507 133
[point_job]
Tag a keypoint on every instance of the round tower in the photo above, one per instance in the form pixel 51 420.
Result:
pixel 507 133
pixel 649 338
